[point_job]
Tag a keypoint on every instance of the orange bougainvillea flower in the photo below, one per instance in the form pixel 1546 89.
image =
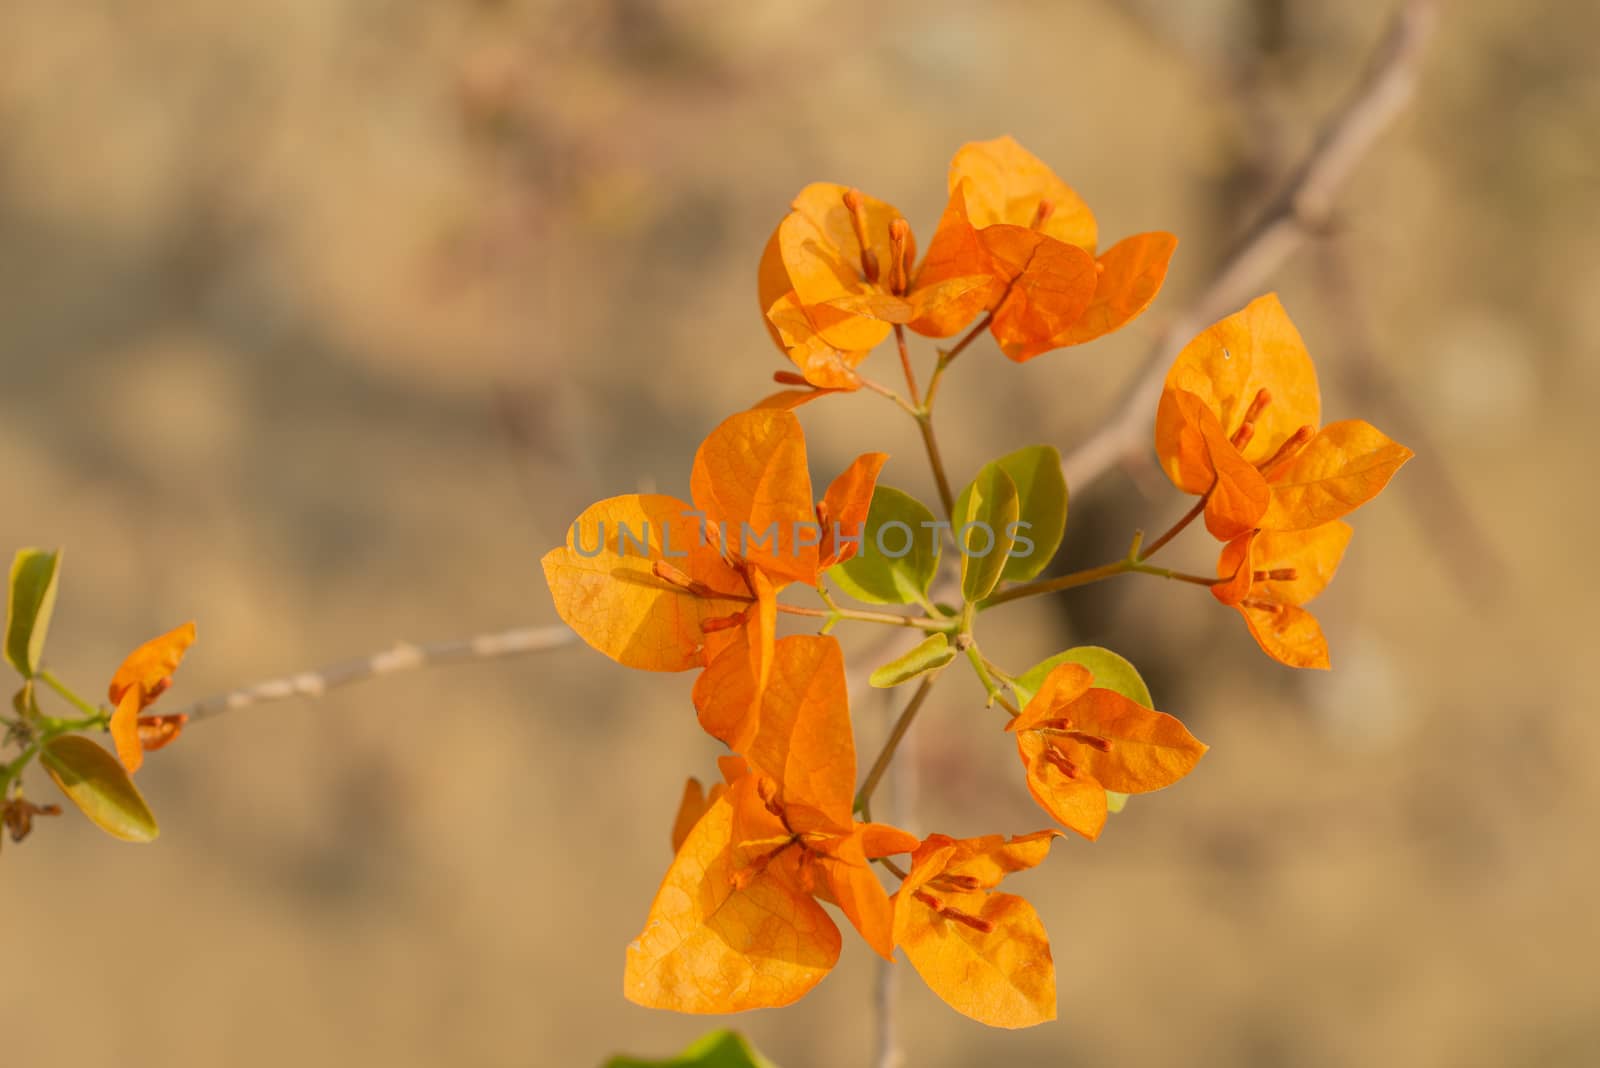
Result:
pixel 655 583
pixel 736 924
pixel 1011 219
pixel 1270 575
pixel 1014 241
pixel 1078 740
pixel 1238 424
pixel 835 276
pixel 986 954
pixel 144 676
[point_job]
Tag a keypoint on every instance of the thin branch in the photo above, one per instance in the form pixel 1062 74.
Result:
pixel 863 802
pixel 404 656
pixel 1303 209
pixel 887 1038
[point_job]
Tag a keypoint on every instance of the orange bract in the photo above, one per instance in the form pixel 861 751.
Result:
pixel 1272 605
pixel 1238 421
pixel 837 274
pixel 717 943
pixel 1347 464
pixel 1229 364
pixel 986 954
pixel 1006 184
pixel 143 677
pixel 606 586
pixel 735 925
pixel 1077 741
pixel 657 584
pixel 1238 424
pixel 1048 290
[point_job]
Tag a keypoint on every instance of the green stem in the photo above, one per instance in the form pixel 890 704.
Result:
pixel 990 687
pixel 947 358
pixel 1176 576
pixel 886 618
pixel 930 444
pixel 71 698
pixel 10 772
pixel 1138 553
pixel 884 391
pixel 1061 582
pixel 863 802
pixel 981 665
pixel 1177 528
pixel 905 365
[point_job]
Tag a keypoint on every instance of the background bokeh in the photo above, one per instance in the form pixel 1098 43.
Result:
pixel 319 319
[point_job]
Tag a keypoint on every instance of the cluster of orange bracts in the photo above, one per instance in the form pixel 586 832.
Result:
pixel 738 922
pixel 1015 244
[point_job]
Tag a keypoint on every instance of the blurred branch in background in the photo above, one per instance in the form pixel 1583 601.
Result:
pixel 1302 210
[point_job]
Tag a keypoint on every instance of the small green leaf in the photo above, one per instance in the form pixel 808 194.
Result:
pixel 31 601
pixel 719 1049
pixel 933 653
pixel 899 551
pixel 93 780
pixel 1041 506
pixel 1111 672
pixel 986 530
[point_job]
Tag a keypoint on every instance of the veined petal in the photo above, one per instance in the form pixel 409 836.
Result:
pixel 1228 364
pixel 1049 285
pixel 1313 554
pixel 804 740
pixel 727 695
pixel 1007 182
pixel 714 944
pixel 605 585
pixel 955 253
pixel 1131 273
pixel 1002 975
pixel 822 363
pixel 750 475
pixel 1143 749
pixel 1287 633
pixel 863 900
pixel 1065 684
pixel 1339 470
pixel 1077 803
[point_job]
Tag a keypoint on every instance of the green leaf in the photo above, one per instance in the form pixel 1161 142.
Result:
pixel 93 780
pixel 1111 672
pixel 933 653
pixel 985 530
pixel 1041 504
pixel 719 1049
pixel 31 601
pixel 875 574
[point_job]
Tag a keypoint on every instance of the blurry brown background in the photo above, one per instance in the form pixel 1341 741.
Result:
pixel 320 319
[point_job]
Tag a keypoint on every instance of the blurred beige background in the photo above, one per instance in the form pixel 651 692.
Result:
pixel 319 319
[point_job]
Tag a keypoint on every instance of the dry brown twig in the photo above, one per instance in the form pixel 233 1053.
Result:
pixel 402 656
